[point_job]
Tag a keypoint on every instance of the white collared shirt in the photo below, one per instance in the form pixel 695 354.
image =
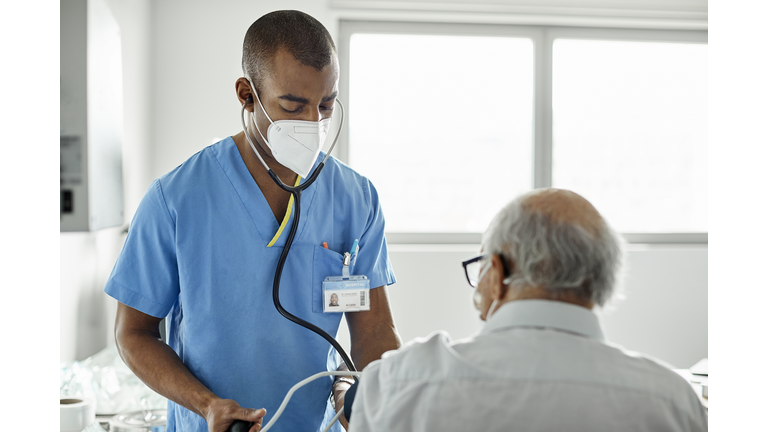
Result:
pixel 537 365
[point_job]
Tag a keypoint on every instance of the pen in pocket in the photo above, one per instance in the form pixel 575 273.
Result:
pixel 354 250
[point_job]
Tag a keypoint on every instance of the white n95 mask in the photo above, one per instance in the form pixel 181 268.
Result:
pixel 295 144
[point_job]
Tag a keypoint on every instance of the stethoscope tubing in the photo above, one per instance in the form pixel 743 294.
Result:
pixel 296 191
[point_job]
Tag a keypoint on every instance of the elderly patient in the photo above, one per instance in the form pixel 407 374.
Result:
pixel 541 362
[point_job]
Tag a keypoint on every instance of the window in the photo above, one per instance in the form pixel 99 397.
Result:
pixel 629 122
pixel 439 119
pixel 452 121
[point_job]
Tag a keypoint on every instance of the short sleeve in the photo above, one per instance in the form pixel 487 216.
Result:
pixel 145 276
pixel 373 258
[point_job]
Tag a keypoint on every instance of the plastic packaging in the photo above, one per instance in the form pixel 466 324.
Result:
pixel 106 379
pixel 139 421
pixel 94 427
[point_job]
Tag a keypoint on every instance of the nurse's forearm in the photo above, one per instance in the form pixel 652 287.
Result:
pixel 155 363
pixel 373 344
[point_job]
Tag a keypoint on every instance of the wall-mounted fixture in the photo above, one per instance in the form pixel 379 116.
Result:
pixel 91 125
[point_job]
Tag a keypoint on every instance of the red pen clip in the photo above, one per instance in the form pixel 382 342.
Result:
pixel 325 245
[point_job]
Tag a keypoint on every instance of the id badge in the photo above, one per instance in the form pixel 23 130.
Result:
pixel 346 294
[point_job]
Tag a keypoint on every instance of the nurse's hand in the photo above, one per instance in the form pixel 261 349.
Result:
pixel 221 413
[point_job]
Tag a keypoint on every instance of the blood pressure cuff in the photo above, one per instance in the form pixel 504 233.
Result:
pixel 349 397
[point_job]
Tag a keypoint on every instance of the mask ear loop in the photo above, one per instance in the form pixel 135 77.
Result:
pixel 506 281
pixel 253 92
pixel 248 136
pixel 490 310
pixel 338 132
pixel 253 119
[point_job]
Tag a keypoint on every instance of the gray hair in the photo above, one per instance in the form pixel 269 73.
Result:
pixel 558 256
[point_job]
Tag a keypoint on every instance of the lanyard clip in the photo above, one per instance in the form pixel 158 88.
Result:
pixel 345 269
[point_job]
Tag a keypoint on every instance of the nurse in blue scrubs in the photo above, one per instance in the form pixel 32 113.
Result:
pixel 204 245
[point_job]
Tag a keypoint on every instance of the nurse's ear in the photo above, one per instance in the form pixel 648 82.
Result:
pixel 243 91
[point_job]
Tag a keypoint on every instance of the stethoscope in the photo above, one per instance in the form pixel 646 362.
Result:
pixel 296 193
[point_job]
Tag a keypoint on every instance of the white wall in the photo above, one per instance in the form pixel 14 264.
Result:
pixel 181 59
pixel 663 312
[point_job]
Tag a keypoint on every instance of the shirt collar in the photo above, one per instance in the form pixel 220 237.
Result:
pixel 547 314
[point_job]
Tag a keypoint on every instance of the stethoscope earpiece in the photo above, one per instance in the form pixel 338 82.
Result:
pixel 250 99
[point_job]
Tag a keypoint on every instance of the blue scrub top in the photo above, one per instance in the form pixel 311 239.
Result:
pixel 197 254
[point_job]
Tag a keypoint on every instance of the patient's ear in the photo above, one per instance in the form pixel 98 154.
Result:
pixel 497 288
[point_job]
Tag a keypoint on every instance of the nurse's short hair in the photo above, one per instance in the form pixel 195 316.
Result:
pixel 303 36
pixel 561 257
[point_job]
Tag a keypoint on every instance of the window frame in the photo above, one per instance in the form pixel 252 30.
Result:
pixel 543 38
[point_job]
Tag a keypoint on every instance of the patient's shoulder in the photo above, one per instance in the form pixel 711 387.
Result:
pixel 419 358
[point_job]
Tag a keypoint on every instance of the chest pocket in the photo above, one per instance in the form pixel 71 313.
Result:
pixel 325 263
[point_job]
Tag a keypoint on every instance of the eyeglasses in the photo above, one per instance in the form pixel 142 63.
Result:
pixel 474 265
pixel 472 269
